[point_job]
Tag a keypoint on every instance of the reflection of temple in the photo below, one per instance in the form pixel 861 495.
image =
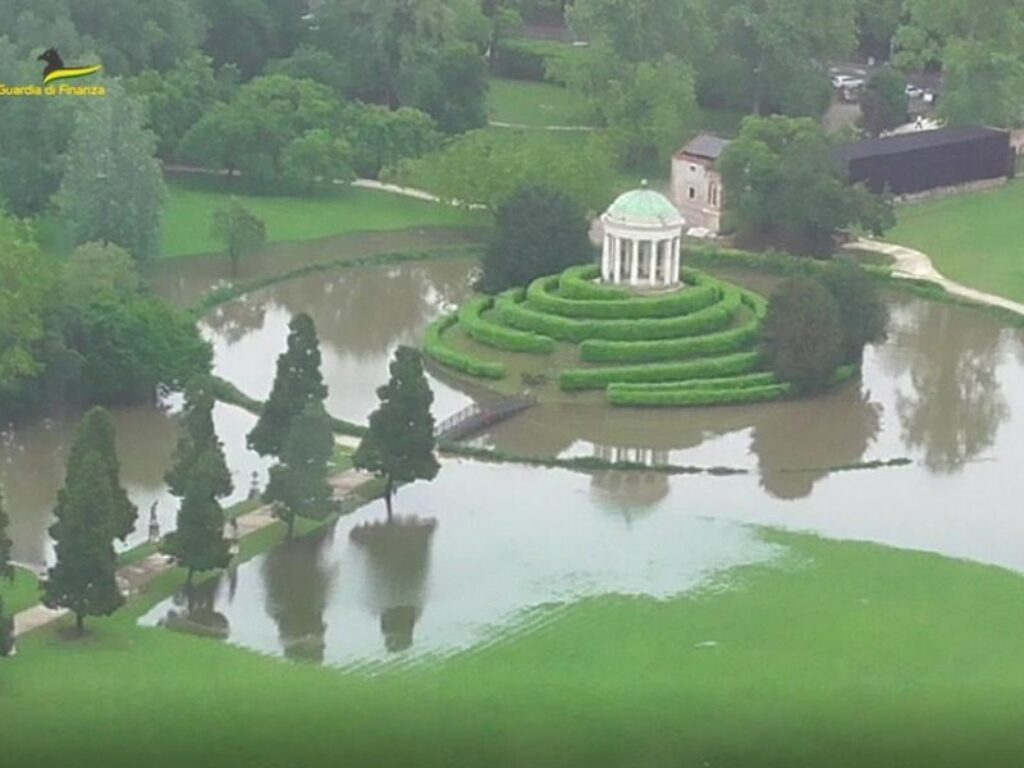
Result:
pixel 398 564
pixel 632 490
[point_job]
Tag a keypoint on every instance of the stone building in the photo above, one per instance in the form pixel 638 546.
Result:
pixel 696 186
pixel 641 240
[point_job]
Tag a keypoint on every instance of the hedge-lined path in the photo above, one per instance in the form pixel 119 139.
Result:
pixel 135 577
pixel 915 265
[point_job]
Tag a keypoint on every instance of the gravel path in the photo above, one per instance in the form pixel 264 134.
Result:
pixel 915 265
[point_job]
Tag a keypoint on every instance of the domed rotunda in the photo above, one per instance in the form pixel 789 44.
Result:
pixel 642 240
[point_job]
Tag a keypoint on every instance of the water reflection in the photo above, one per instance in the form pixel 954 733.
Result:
pixel 955 405
pixel 193 611
pixel 795 446
pixel 204 273
pixel 361 316
pixel 298 584
pixel 506 542
pixel 397 564
pixel 32 469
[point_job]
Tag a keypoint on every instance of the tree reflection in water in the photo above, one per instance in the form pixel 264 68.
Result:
pixel 193 611
pixel 791 441
pixel 398 565
pixel 956 404
pixel 298 586
pixel 236 319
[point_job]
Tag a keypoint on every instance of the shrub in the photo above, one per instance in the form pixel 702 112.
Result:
pixel 499 336
pixel 707 320
pixel 802 334
pixel 773 262
pixel 629 395
pixel 722 342
pixel 578 283
pixel 703 294
pixel 435 347
pixel 704 368
pixel 743 381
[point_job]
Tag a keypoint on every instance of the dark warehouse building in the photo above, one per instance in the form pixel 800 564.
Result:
pixel 924 160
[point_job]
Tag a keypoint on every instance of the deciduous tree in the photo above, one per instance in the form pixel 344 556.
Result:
pixel 802 334
pixel 538 231
pixel 241 231
pixel 400 444
pixel 884 103
pixel 863 316
pixel 113 188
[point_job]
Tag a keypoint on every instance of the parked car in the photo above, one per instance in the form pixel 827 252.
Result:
pixel 914 92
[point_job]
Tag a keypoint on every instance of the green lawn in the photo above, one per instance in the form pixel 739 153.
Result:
pixel 20 594
pixel 842 654
pixel 190 205
pixel 536 104
pixel 973 238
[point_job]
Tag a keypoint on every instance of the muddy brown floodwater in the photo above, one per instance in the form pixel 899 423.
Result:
pixel 488 544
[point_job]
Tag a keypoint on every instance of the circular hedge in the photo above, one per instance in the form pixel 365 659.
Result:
pixel 697 345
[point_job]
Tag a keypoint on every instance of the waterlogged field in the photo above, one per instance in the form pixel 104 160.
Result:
pixel 522 616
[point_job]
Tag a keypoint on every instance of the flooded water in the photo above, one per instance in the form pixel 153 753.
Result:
pixel 494 543
pixel 475 559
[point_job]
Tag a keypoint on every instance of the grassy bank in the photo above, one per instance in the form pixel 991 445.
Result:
pixel 839 654
pixel 191 202
pixel 973 239
pixel 21 593
pixel 523 102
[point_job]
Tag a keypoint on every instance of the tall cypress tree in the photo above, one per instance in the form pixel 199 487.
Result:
pixel 400 444
pixel 299 483
pixel 298 383
pixel 91 512
pixel 200 478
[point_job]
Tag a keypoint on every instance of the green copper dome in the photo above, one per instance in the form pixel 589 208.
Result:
pixel 645 207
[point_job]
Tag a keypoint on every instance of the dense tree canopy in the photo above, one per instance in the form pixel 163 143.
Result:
pixel 884 103
pixel 863 316
pixel 785 186
pixel 538 231
pixel 802 334
pixel 113 188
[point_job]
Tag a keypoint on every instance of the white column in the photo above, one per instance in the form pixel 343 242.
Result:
pixel 617 260
pixel 670 253
pixel 605 249
pixel 634 261
pixel 679 259
pixel 653 269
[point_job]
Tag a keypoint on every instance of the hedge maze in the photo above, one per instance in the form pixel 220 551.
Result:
pixel 695 346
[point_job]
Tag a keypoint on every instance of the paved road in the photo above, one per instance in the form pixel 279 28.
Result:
pixel 916 265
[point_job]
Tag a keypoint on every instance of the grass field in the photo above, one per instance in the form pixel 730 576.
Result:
pixel 536 104
pixel 840 654
pixel 190 205
pixel 973 238
pixel 20 594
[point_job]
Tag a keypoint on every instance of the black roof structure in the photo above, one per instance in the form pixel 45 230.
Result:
pixel 922 160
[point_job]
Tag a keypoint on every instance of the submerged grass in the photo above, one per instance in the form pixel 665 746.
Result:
pixel 840 654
